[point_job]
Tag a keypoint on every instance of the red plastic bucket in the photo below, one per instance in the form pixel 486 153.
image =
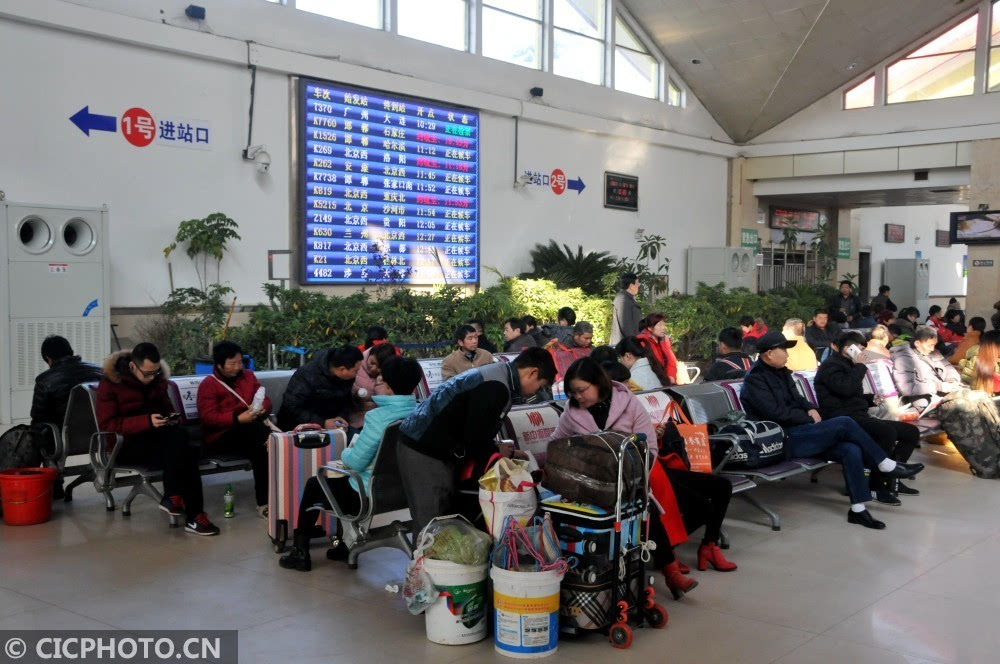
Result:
pixel 26 494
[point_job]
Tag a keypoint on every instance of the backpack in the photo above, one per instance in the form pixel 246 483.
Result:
pixel 972 423
pixel 758 444
pixel 20 447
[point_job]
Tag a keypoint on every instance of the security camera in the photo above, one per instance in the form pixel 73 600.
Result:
pixel 259 155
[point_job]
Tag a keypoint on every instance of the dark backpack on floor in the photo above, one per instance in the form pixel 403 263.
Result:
pixel 20 447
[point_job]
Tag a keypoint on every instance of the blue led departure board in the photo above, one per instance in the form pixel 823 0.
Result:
pixel 388 186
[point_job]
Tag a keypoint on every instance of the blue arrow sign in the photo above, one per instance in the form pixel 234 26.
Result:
pixel 86 121
pixel 576 184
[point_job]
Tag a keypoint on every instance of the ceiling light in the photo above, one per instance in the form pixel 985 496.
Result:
pixel 853 65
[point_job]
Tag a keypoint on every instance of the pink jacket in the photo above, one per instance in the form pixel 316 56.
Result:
pixel 374 385
pixel 627 416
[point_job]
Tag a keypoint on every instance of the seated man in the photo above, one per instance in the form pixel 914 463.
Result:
pixel 228 423
pixel 819 335
pixel 52 387
pixel 568 352
pixel 732 363
pixel 566 319
pixel 132 401
pixel 320 391
pixel 516 337
pixel 468 356
pixel 484 341
pixel 401 377
pixel 877 347
pixel 883 299
pixel 839 389
pixel 531 327
pixel 769 393
pixel 456 428
pixel 866 319
pixel 846 302
pixel 921 372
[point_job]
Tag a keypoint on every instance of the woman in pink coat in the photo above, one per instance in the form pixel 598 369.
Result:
pixel 369 379
pixel 596 403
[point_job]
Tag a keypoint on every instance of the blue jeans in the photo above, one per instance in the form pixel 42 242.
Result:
pixel 843 440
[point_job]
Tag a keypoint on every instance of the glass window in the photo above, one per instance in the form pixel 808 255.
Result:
pixel 526 8
pixel 944 67
pixel 444 23
pixel 362 12
pixel 993 76
pixel 511 38
pixel 579 57
pixel 861 95
pixel 636 71
pixel 674 95
pixel 583 16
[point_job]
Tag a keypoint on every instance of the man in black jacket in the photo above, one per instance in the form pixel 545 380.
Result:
pixel 819 333
pixel 840 391
pixel 320 391
pixel 52 387
pixel 732 363
pixel 769 393
pixel 846 301
pixel 454 429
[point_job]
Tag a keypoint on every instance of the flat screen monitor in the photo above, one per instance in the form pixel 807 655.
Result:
pixel 388 187
pixel 981 227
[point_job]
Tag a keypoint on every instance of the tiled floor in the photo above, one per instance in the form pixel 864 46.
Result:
pixel 923 590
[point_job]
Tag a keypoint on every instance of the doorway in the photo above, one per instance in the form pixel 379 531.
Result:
pixel 865 275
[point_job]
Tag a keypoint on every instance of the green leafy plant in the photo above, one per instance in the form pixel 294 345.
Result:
pixel 560 265
pixel 650 265
pixel 206 240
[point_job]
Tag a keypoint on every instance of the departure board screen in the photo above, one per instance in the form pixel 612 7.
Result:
pixel 388 186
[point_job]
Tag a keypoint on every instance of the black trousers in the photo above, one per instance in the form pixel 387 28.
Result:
pixel 898 439
pixel 703 500
pixel 170 449
pixel 312 495
pixel 249 440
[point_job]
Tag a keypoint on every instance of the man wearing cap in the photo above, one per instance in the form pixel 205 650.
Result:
pixel 769 393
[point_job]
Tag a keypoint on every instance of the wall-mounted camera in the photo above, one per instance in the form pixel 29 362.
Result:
pixel 259 155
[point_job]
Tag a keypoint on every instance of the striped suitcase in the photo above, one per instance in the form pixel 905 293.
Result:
pixel 289 468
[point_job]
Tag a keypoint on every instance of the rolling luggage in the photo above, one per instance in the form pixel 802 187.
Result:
pixel 293 458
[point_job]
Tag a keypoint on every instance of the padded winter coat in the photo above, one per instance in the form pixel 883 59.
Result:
pixel 52 388
pixel 314 395
pixel 839 387
pixel 218 408
pixel 124 405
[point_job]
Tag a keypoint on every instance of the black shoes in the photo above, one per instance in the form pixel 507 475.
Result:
pixel 865 519
pixel 904 470
pixel 906 491
pixel 298 557
pixel 887 498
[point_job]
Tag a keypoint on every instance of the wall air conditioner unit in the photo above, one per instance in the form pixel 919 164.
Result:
pixel 54 279
pixel 733 266
pixel 910 281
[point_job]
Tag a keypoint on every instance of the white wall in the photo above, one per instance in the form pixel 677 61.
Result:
pixel 150 190
pixel 921 221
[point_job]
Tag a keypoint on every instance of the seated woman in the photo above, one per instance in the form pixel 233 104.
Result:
pixel 953 330
pixel 607 357
pixel 981 364
pixel 401 376
pixel 635 356
pixel 800 356
pixel 369 379
pixel 654 334
pixel 596 403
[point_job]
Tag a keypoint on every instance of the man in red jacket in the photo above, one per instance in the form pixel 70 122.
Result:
pixel 229 422
pixel 132 401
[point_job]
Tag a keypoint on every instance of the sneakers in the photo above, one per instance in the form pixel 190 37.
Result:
pixel 202 526
pixel 262 511
pixel 172 505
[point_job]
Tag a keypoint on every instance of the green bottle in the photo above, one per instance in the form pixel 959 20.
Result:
pixel 228 501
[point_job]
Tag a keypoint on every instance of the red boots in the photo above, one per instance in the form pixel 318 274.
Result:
pixel 677 583
pixel 711 554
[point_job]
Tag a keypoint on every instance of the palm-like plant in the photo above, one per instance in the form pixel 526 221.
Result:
pixel 570 270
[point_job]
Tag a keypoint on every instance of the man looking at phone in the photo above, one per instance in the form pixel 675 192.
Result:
pixel 840 391
pixel 232 421
pixel 320 391
pixel 132 401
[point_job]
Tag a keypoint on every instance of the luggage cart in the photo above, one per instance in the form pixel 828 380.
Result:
pixel 607 588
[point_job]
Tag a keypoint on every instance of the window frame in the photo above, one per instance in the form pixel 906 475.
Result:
pixel 390 12
pixel 928 38
pixel 482 5
pixel 857 83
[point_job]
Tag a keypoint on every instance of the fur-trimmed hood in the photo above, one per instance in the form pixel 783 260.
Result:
pixel 116 366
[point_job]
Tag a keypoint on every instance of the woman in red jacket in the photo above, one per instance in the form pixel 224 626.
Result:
pixel 229 424
pixel 132 401
pixel 654 333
